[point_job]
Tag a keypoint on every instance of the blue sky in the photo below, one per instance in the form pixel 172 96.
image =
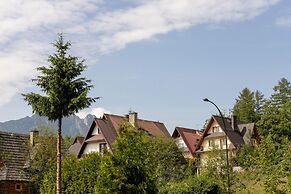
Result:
pixel 157 57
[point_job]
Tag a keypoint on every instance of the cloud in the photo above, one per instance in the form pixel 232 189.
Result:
pixel 284 21
pixel 27 27
pixel 155 17
pixel 98 112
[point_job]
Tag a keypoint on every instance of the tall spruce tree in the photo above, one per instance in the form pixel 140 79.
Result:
pixel 65 91
pixel 244 107
pixel 276 117
pixel 248 105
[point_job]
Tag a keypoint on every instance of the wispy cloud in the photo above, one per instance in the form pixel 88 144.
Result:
pixel 28 26
pixel 284 21
pixel 154 17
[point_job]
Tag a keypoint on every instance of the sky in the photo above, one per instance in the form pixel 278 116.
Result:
pixel 159 58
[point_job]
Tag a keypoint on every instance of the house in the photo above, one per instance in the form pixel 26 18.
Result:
pixel 14 177
pixel 76 146
pixel 187 140
pixel 237 134
pixel 105 130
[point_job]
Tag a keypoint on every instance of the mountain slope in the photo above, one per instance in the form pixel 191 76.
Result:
pixel 71 125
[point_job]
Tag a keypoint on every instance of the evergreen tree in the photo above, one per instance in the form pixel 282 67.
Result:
pixel 276 117
pixel 248 106
pixel 244 107
pixel 259 101
pixel 66 92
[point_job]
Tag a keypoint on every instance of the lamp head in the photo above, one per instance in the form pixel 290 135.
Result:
pixel 205 100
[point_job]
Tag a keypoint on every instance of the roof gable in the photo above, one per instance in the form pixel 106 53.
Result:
pixel 109 126
pixel 234 136
pixel 189 136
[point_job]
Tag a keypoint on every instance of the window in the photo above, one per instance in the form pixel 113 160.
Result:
pixel 102 146
pixel 222 143
pixel 211 143
pixel 18 187
pixel 215 129
pixel 98 130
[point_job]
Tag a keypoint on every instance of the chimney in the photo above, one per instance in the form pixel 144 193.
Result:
pixel 132 118
pixel 33 135
pixel 234 122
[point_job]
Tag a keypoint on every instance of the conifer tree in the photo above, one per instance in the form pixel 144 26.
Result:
pixel 276 117
pixel 244 107
pixel 248 106
pixel 65 91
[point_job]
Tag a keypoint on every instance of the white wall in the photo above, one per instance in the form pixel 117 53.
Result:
pixel 92 147
pixel 95 131
pixel 205 143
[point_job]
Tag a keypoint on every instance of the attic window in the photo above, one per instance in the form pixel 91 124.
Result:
pixel 18 187
pixel 98 130
pixel 215 129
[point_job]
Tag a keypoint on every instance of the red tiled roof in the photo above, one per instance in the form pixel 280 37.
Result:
pixel 189 136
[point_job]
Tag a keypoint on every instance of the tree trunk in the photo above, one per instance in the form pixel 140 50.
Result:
pixel 59 157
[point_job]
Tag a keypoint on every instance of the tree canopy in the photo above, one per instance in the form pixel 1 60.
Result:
pixel 248 105
pixel 66 92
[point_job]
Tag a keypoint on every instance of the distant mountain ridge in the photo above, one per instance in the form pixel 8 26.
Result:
pixel 71 125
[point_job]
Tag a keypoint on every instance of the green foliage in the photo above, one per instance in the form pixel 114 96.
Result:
pixel 269 164
pixel 243 156
pixel 66 91
pixel 168 160
pixel 276 118
pixel 140 164
pixel 129 169
pixel 42 156
pixel 195 184
pixel 79 176
pixel 248 105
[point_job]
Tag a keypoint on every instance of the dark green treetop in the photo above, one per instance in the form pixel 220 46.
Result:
pixel 66 92
pixel 248 105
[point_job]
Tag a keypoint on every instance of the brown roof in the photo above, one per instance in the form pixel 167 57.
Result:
pixel 14 154
pixel 234 135
pixel 79 140
pixel 189 136
pixel 75 147
pixel 109 127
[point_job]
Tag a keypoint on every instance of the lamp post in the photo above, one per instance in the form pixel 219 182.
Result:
pixel 227 162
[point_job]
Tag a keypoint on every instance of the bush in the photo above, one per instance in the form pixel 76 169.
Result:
pixel 194 184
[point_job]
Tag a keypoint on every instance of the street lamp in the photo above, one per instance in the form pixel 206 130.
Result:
pixel 227 163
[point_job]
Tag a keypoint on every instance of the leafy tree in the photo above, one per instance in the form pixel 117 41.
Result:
pixel 42 155
pixel 140 164
pixel 248 105
pixel 169 162
pixel 276 117
pixel 66 92
pixel 269 164
pixel 244 154
pixel 79 176
pixel 129 170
